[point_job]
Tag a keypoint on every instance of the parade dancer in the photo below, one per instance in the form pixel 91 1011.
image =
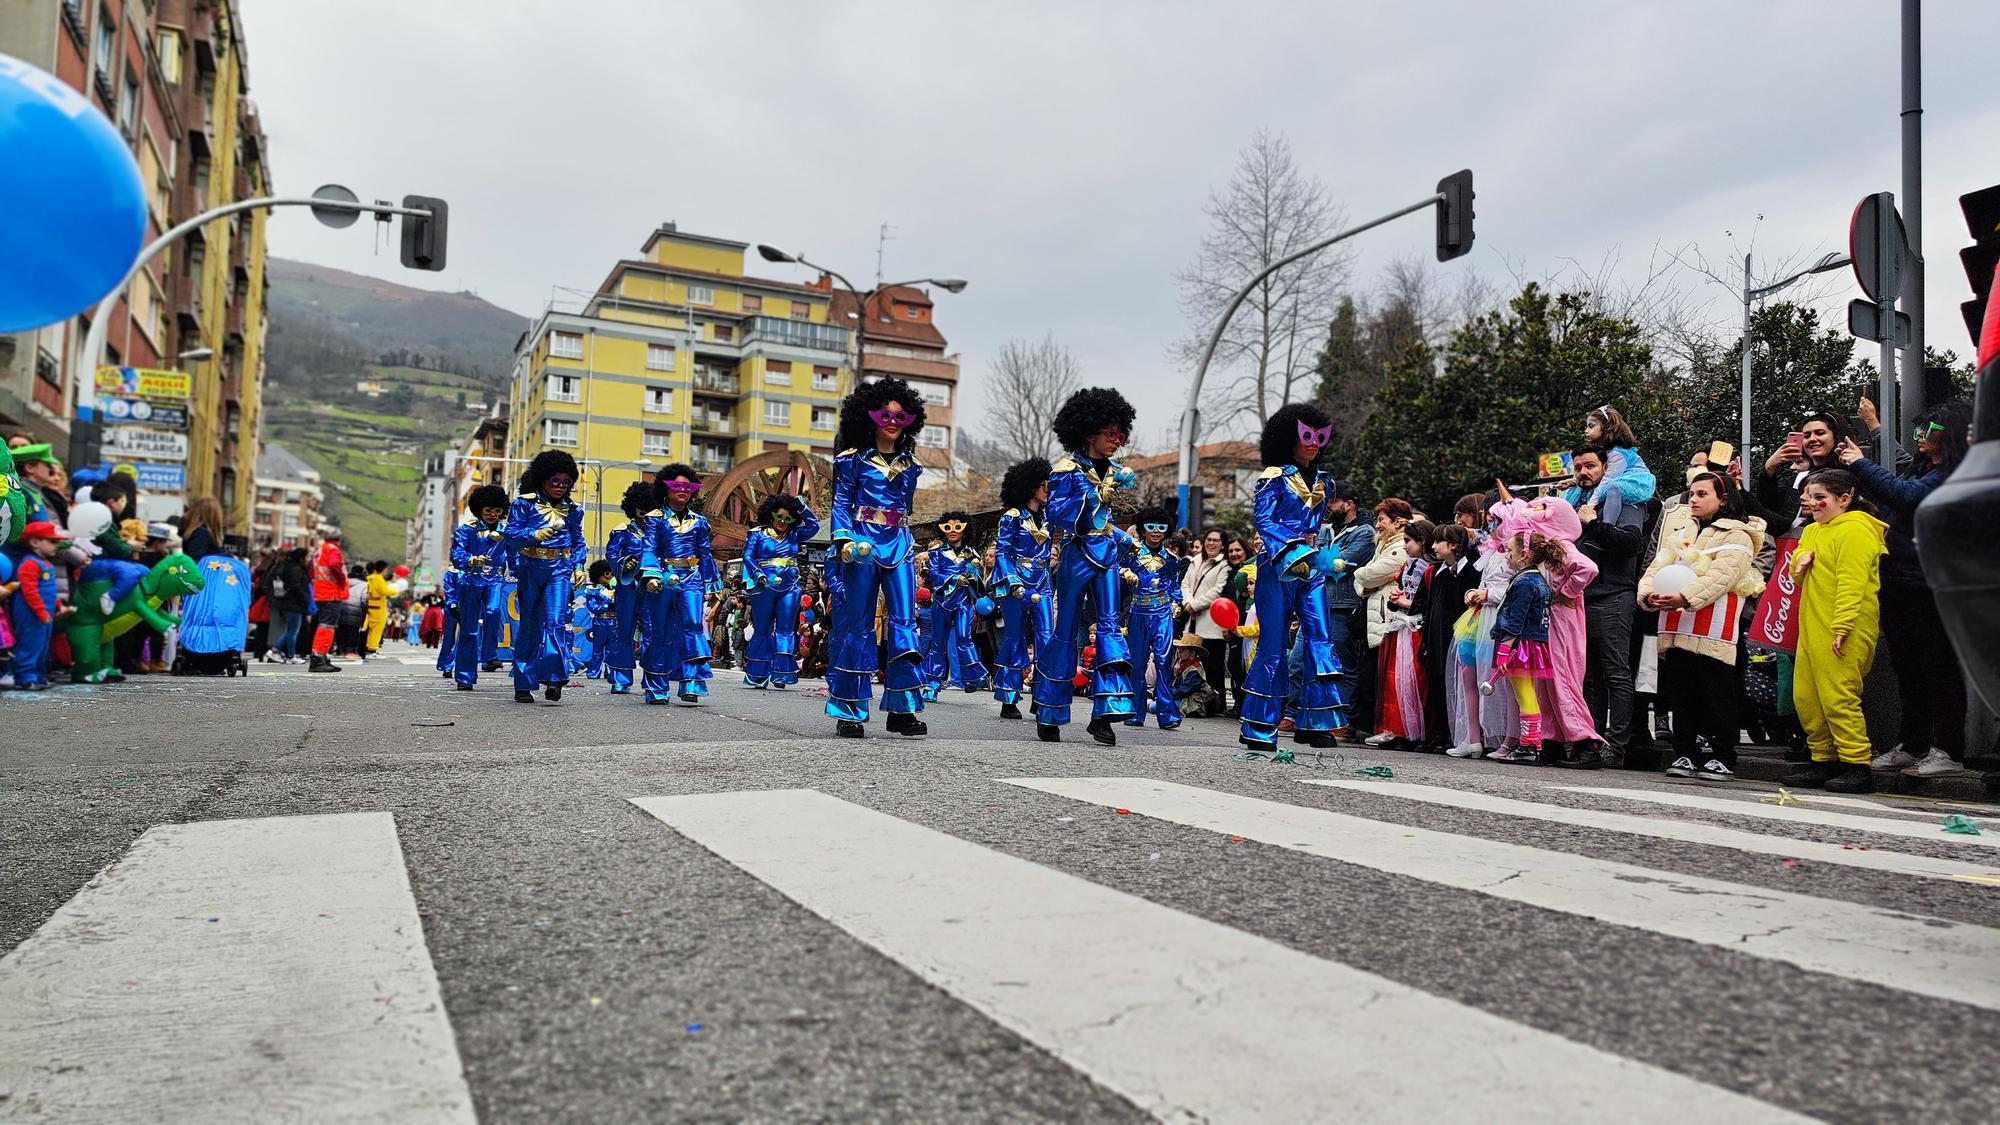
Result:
pixel 599 600
pixel 1289 507
pixel 771 576
pixel 1021 581
pixel 448 637
pixel 544 533
pixel 682 548
pixel 952 570
pixel 1093 425
pixel 1155 578
pixel 629 550
pixel 874 482
pixel 478 556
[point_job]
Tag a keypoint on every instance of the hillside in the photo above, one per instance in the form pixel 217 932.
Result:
pixel 435 362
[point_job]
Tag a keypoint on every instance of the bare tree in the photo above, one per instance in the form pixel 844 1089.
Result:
pixel 1269 211
pixel 1031 381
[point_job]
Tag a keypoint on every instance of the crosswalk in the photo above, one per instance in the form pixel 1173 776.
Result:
pixel 277 968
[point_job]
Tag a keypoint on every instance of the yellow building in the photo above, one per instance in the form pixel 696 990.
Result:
pixel 678 356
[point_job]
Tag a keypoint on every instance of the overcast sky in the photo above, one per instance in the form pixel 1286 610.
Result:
pixel 1058 154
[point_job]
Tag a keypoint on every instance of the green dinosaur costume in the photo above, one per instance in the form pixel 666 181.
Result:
pixel 91 630
pixel 14 502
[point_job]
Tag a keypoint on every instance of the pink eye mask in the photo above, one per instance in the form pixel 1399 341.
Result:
pixel 1320 437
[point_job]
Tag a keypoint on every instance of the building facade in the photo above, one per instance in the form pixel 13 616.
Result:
pixel 901 339
pixel 288 501
pixel 1226 470
pixel 427 540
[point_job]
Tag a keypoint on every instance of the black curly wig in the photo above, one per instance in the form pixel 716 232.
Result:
pixel 1281 433
pixel 1088 411
pixel 1022 479
pixel 769 506
pixel 547 463
pixel 638 499
pixel 679 470
pixel 486 496
pixel 599 569
pixel 857 429
pixel 969 539
pixel 1155 514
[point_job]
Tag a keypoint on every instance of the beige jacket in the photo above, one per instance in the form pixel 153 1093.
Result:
pixel 1375 579
pixel 1201 584
pixel 1729 548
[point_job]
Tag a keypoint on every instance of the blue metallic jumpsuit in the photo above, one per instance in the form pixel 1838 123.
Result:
pixel 678 648
pixel 1086 582
pixel 1155 577
pixel 1025 592
pixel 871 505
pixel 771 574
pixel 629 550
pixel 479 555
pixel 546 540
pixel 448 640
pixel 949 655
pixel 600 603
pixel 1288 515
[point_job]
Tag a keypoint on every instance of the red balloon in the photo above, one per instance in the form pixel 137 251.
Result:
pixel 923 595
pixel 806 601
pixel 402 572
pixel 1223 612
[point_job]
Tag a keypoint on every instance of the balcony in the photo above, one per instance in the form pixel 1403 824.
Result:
pixel 714 424
pixel 187 305
pixel 796 334
pixel 710 380
pixel 715 464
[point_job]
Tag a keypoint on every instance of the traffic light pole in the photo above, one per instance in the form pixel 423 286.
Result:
pixel 1913 214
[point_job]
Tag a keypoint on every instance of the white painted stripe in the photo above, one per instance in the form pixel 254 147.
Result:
pixel 1686 831
pixel 1811 797
pixel 1931 956
pixel 1796 814
pixel 240 970
pixel 1188 1019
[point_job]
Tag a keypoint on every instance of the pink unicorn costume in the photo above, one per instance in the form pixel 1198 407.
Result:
pixel 1565 715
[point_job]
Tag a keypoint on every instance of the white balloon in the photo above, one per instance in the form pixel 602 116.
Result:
pixel 1673 578
pixel 398 585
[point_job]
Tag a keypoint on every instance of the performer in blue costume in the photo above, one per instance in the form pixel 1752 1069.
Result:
pixel 478 566
pixel 448 639
pixel 771 555
pixel 1093 425
pixel 1021 581
pixel 682 547
pixel 599 602
pixel 635 602
pixel 874 482
pixel 1290 506
pixel 952 572
pixel 1155 578
pixel 544 532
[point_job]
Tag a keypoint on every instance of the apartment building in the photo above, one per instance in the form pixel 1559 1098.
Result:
pixel 901 339
pixel 289 498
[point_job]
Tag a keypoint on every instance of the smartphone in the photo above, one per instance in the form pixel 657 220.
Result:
pixel 1797 437
pixel 1720 453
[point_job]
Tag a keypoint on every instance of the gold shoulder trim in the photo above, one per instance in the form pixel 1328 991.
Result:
pixel 1063 466
pixel 1272 472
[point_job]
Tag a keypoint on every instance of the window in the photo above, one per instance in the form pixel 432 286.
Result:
pixel 201 184
pixel 934 437
pixel 659 357
pixel 825 418
pixel 933 394
pixel 657 441
pixel 659 400
pixel 801 311
pixel 777 413
pixel 128 104
pixel 565 388
pixel 752 302
pixel 723 332
pixel 559 432
pixel 701 294
pixel 915 312
pixel 101 57
pixel 778 372
pixel 568 345
pixel 825 379
pixel 170 56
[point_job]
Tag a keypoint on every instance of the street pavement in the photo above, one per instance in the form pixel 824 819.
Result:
pixel 365 896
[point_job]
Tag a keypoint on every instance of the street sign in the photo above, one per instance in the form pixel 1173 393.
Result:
pixel 140 443
pixel 142 410
pixel 336 217
pixel 143 382
pixel 1876 242
pixel 160 478
pixel 1864 320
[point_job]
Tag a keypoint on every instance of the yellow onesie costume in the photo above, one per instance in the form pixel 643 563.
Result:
pixel 378 611
pixel 1837 596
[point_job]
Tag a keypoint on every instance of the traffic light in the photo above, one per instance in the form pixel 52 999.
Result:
pixel 1982 218
pixel 1454 214
pixel 423 237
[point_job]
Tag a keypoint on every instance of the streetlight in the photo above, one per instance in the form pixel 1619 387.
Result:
pixel 197 354
pixel 1828 261
pixel 948 284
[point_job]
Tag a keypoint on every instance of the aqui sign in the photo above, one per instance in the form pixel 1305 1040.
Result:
pixel 144 382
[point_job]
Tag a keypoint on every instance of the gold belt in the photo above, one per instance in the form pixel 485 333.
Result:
pixel 544 552
pixel 688 561
pixel 787 561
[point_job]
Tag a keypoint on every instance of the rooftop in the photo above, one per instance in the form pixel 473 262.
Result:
pixel 882 324
pixel 1214 451
pixel 278 463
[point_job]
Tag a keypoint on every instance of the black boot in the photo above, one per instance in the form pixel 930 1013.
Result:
pixel 490 666
pixel 464 687
pixel 1581 756
pixel 1317 739
pixel 1852 779
pixel 1010 711
pixel 906 723
pixel 524 697
pixel 846 728
pixel 1048 732
pixel 1100 729
pixel 552 693
pixel 321 664
pixel 1812 775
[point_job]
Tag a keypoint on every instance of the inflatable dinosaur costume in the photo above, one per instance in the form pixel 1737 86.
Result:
pixel 136 594
pixel 14 501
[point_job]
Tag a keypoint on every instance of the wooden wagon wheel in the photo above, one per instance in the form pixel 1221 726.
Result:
pixel 732 501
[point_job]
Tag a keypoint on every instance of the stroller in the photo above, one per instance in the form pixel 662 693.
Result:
pixel 215 621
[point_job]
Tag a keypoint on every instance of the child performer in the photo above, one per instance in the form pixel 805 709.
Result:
pixel 634 603
pixel 478 562
pixel 1521 638
pixel 682 547
pixel 544 533
pixel 873 558
pixel 1155 578
pixel 448 604
pixel 1093 425
pixel 771 576
pixel 1021 581
pixel 952 572
pixel 599 600
pixel 1839 559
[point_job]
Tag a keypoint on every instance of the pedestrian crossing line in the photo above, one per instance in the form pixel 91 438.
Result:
pixel 239 970
pixel 1685 831
pixel 1188 1019
pixel 1794 814
pixel 1930 956
pixel 1810 798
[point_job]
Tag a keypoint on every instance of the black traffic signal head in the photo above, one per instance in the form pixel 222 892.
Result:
pixel 423 238
pixel 1454 214
pixel 1982 219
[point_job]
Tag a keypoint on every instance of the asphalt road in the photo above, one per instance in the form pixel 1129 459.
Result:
pixel 598 962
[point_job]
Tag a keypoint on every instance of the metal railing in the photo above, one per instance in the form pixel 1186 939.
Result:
pixel 797 333
pixel 721 382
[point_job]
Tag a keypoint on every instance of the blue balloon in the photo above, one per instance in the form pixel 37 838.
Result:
pixel 808 617
pixel 72 207
pixel 984 607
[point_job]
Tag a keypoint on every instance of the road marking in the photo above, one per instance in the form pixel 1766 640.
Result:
pixel 1811 797
pixel 1794 814
pixel 1931 956
pixel 245 970
pixel 1188 1019
pixel 1685 831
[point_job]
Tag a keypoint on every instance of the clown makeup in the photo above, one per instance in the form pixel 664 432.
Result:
pixel 1824 503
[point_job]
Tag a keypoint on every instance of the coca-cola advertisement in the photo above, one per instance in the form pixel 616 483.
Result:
pixel 1775 626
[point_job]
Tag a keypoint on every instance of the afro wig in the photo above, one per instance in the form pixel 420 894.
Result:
pixel 970 538
pixel 857 429
pixel 771 504
pixel 1154 514
pixel 599 569
pixel 1281 433
pixel 548 463
pixel 484 497
pixel 1022 479
pixel 1088 411
pixel 638 499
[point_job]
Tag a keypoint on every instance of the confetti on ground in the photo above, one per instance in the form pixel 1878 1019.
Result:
pixel 1960 825
pixel 1236 839
pixel 1784 797
pixel 1377 771
pixel 694 1029
pixel 596 1000
pixel 1124 812
pixel 1065 819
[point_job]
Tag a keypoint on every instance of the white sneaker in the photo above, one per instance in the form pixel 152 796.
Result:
pixel 1682 767
pixel 1469 750
pixel 1714 770
pixel 1382 739
pixel 1897 759
pixel 1937 763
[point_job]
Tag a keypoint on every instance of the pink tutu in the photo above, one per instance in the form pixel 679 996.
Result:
pixel 1531 659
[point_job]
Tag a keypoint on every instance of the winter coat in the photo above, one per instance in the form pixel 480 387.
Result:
pixel 297 587
pixel 1374 580
pixel 1727 550
pixel 1201 583
pixel 1899 494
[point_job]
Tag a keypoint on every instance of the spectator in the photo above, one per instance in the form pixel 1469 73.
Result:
pixel 1613 530
pixel 1237 589
pixel 290 593
pixel 1399 671
pixel 1372 581
pixel 1204 582
pixel 201 529
pixel 1839 563
pixel 1451 703
pixel 1347 610
pixel 1784 475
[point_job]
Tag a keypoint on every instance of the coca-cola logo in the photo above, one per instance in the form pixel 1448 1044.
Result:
pixel 1777 622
